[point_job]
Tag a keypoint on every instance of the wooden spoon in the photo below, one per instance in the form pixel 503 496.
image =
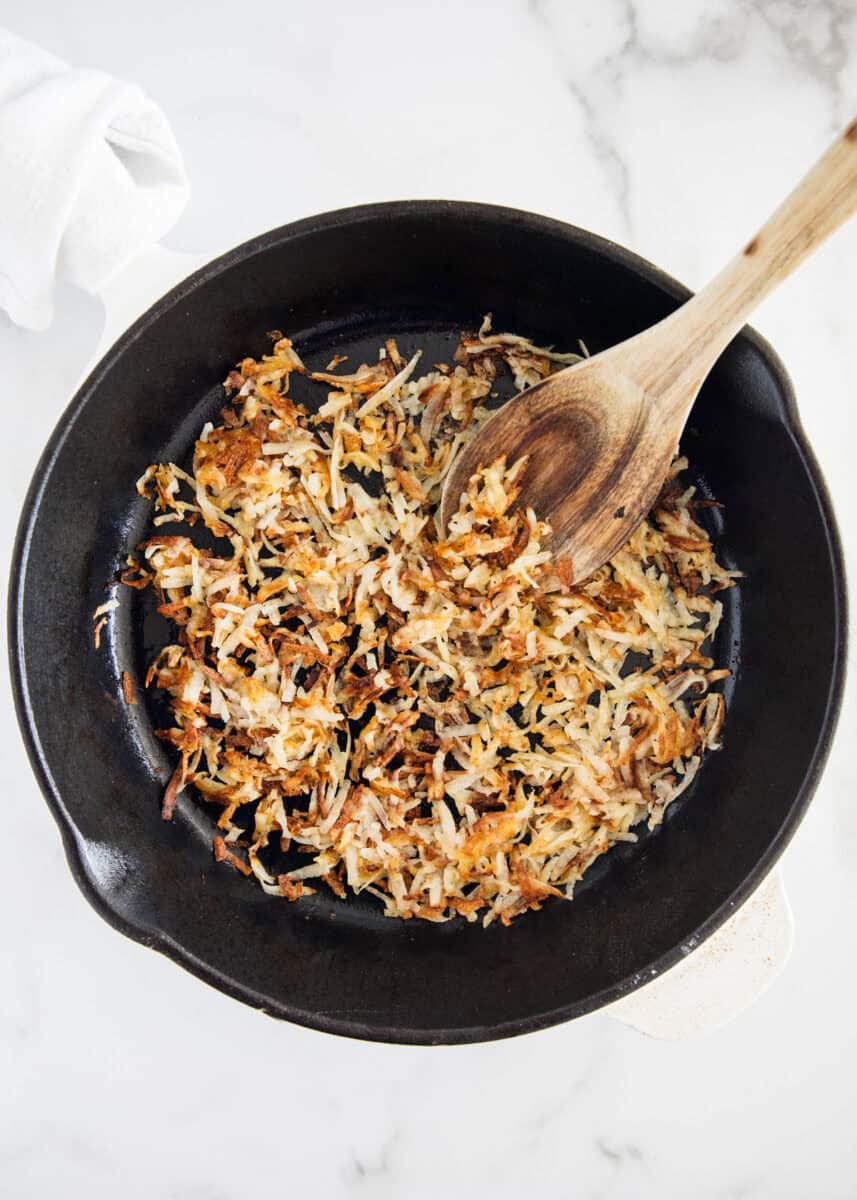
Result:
pixel 600 435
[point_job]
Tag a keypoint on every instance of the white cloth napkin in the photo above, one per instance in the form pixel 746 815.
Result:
pixel 90 174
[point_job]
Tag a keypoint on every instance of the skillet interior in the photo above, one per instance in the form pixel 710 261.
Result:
pixel 423 271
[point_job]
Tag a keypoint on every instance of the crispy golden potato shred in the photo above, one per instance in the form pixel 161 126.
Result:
pixel 443 722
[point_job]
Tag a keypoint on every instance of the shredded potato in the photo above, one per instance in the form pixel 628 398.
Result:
pixel 442 722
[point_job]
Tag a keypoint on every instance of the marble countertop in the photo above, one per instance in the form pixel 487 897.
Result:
pixel 673 128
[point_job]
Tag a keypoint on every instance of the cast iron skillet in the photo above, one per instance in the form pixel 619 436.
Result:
pixel 342 282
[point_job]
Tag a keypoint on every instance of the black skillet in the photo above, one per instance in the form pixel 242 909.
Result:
pixel 342 282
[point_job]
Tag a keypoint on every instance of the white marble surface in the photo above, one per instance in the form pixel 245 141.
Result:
pixel 672 126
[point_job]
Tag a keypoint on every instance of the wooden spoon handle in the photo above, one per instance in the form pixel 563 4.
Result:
pixel 688 343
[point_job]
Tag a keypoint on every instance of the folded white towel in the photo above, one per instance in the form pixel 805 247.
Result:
pixel 90 174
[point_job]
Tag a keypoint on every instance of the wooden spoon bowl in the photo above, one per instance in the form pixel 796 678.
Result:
pixel 589 434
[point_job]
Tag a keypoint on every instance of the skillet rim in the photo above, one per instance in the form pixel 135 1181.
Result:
pixel 99 895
